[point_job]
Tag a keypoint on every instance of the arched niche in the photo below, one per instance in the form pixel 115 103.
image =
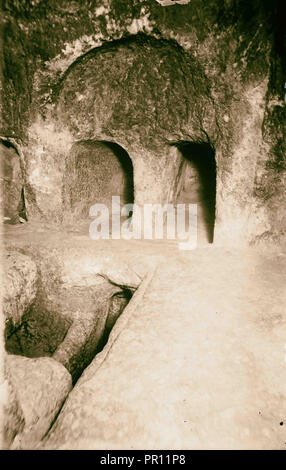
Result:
pixel 94 172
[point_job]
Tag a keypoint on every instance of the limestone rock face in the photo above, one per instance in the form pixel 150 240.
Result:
pixel 20 286
pixel 11 183
pixel 95 171
pixel 186 370
pixel 41 385
pixel 13 420
pixel 89 310
pixel 53 311
pixel 137 81
pixel 146 76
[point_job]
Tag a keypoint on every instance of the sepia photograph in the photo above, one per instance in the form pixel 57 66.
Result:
pixel 143 228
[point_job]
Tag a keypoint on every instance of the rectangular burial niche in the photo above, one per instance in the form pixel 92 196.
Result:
pixel 95 171
pixel 197 184
pixel 52 329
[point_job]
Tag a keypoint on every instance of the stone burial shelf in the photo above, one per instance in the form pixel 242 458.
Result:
pixel 179 369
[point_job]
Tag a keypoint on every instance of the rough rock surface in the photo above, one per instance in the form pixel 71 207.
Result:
pixel 41 386
pixel 11 184
pixel 146 76
pixel 78 300
pixel 20 286
pixel 89 310
pixel 12 416
pixel 94 172
pixel 183 370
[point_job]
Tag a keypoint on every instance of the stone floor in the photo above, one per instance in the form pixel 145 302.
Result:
pixel 195 361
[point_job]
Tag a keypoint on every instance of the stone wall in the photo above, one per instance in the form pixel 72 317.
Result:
pixel 145 77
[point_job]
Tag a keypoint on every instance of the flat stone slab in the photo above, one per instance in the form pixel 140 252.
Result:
pixel 196 361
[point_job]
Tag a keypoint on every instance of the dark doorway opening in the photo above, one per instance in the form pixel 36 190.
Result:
pixel 197 182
